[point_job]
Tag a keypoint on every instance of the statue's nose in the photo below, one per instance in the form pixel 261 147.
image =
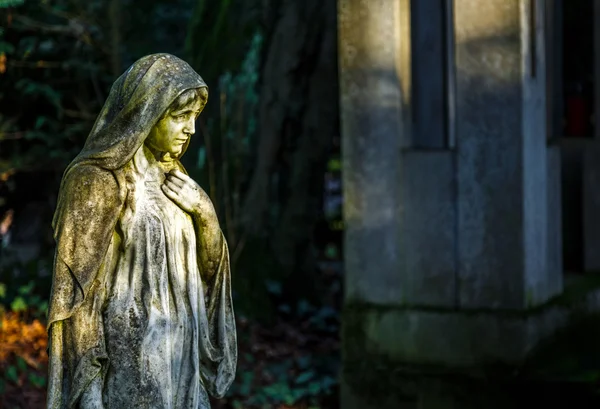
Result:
pixel 190 128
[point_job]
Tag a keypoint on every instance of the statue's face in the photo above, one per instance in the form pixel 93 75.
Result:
pixel 173 131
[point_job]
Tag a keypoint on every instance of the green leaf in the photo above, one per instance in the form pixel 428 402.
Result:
pixel 331 251
pixel 37 380
pixel 246 386
pixel 18 305
pixel 247 376
pixel 289 400
pixel 26 289
pixel 53 96
pixel 2 290
pixel 334 165
pixel 21 364
pixel 314 388
pixel 40 121
pixel 11 374
pixel 277 391
pixel 305 377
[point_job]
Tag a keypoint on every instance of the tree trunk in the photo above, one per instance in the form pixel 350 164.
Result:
pixel 298 121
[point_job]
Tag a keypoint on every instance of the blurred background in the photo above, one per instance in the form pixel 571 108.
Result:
pixel 267 151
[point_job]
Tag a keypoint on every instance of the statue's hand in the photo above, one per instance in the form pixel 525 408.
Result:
pixel 188 195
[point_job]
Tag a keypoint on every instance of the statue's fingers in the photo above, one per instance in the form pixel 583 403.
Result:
pixel 174 180
pixel 179 175
pixel 171 194
pixel 173 185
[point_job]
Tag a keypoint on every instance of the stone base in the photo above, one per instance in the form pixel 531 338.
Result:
pixel 392 357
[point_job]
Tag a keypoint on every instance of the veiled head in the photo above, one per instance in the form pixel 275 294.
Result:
pixel 140 107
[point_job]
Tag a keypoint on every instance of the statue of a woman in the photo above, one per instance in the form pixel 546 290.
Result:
pixel 140 314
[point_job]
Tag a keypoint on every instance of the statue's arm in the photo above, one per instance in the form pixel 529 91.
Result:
pixel 188 195
pixel 210 243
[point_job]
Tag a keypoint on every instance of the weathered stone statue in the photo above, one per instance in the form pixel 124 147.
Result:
pixel 140 314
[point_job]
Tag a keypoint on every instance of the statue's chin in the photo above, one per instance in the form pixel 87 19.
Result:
pixel 176 153
pixel 171 154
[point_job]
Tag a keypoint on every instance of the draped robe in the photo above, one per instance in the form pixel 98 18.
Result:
pixel 131 311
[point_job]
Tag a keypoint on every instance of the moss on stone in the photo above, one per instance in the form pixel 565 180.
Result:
pixel 569 355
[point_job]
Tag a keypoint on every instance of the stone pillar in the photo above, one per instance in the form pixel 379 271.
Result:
pixel 449 241
pixel 502 154
pixel 374 75
pixel 371 121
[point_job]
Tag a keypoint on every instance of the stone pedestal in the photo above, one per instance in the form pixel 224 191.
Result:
pixel 451 242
